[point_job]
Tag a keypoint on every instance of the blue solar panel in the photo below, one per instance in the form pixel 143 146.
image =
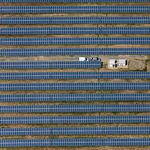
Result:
pixel 75 9
pixel 126 130
pixel 76 86
pixel 126 97
pixel 26 120
pixel 25 75
pixel 25 131
pixel 76 119
pixel 24 65
pixel 125 51
pixel 23 1
pixel 76 64
pixel 75 97
pixel 75 41
pixel 126 40
pixel 74 108
pixel 126 142
pixel 76 51
pixel 25 98
pixel 77 142
pixel 75 20
pixel 126 119
pixel 24 52
pixel 25 86
pixel 25 41
pixel 124 9
pixel 21 31
pixel 75 75
pixel 75 30
pixel 125 30
pixel 25 142
pixel 125 20
pixel 25 9
pixel 74 131
pixel 25 20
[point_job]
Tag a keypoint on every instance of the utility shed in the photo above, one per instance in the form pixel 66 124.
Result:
pixel 121 62
pixel 112 63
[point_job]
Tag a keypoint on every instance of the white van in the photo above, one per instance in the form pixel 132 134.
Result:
pixel 83 59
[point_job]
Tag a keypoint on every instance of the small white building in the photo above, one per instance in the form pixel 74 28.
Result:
pixel 111 62
pixel 121 62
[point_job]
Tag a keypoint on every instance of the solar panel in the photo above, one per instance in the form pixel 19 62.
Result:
pixel 24 65
pixel 74 131
pixel 25 98
pixel 124 9
pixel 74 119
pixel 23 1
pixel 25 41
pixel 75 30
pixel 74 9
pixel 76 64
pixel 75 86
pixel 125 51
pixel 75 51
pixel 125 30
pixel 125 20
pixel 25 75
pixel 25 20
pixel 22 31
pixel 74 108
pixel 25 9
pixel 75 20
pixel 25 86
pixel 75 97
pixel 24 52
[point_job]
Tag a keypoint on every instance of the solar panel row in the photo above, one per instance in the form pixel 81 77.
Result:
pixel 46 65
pixel 74 108
pixel 75 51
pixel 75 30
pixel 75 41
pixel 74 20
pixel 74 131
pixel 74 75
pixel 75 97
pixel 29 1
pixel 74 142
pixel 74 119
pixel 74 9
pixel 75 86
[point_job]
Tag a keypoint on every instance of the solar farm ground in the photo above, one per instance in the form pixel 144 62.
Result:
pixel 135 59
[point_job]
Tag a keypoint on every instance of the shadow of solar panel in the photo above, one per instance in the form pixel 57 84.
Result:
pixel 25 9
pixel 24 52
pixel 25 98
pixel 25 20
